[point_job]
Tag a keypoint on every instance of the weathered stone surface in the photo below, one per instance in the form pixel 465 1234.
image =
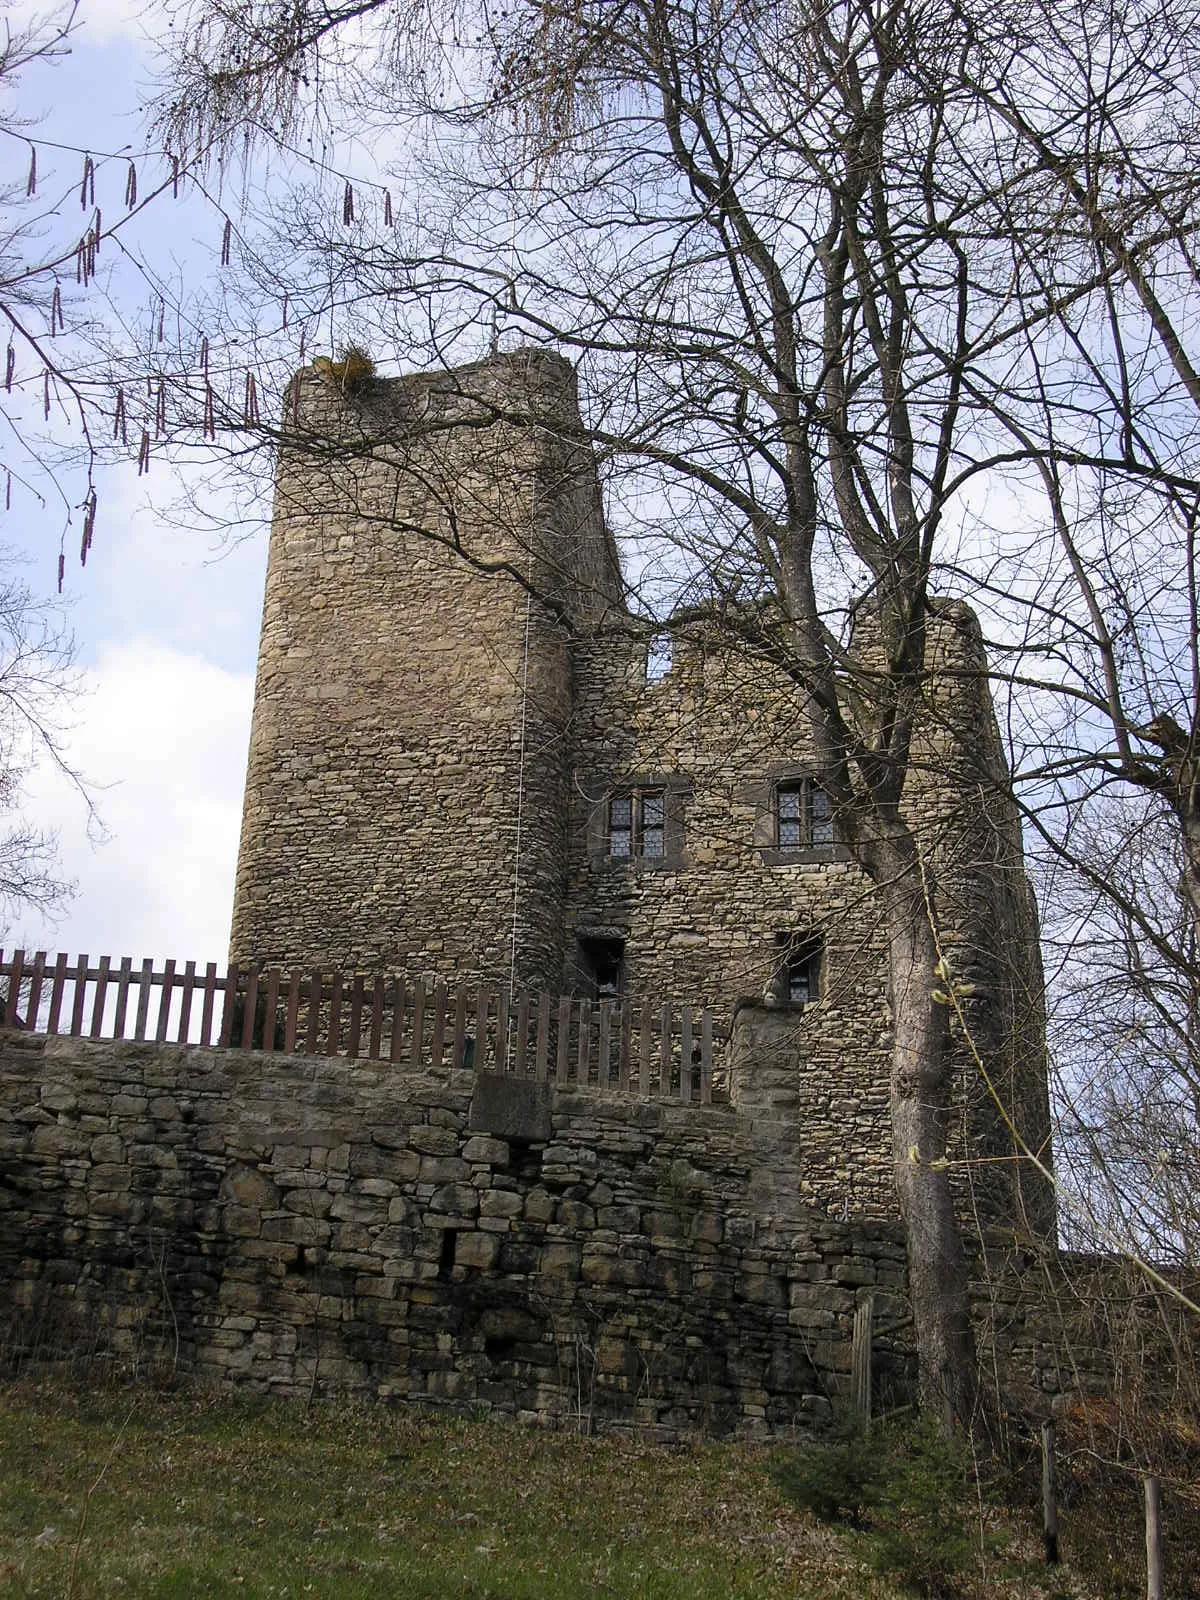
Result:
pixel 511 1108
pixel 660 1288
pixel 476 1250
pixel 358 1208
pixel 443 1169
pixel 245 1185
pixel 433 1141
pixel 493 1152
pixel 457 1198
pixel 540 1206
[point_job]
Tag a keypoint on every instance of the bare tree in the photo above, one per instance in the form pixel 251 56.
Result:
pixel 1123 1017
pixel 38 691
pixel 102 358
pixel 1095 114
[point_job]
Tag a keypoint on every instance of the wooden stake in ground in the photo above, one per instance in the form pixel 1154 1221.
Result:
pixel 1154 1566
pixel 1049 1494
pixel 860 1363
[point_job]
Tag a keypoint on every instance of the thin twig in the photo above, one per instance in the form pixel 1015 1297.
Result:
pixel 87 1500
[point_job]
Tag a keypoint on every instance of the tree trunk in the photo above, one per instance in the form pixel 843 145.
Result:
pixel 1185 807
pixel 922 1072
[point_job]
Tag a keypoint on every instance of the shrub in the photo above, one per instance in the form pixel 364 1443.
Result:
pixel 905 1487
pixel 838 1480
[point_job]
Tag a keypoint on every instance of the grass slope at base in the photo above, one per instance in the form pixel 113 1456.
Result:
pixel 131 1492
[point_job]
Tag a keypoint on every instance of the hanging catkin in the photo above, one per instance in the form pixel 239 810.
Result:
pixel 89 523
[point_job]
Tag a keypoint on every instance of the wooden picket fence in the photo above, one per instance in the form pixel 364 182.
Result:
pixel 636 1047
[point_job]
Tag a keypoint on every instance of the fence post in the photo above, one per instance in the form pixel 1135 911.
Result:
pixel 1154 1561
pixel 1049 1493
pixel 860 1362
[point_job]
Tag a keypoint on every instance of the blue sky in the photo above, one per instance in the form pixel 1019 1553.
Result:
pixel 165 618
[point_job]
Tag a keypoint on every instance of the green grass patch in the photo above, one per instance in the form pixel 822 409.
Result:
pixel 173 1496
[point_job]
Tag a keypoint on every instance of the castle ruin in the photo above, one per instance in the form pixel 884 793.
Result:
pixel 470 758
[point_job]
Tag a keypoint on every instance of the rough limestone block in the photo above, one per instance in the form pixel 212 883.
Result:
pixel 455 1199
pixel 478 1250
pixel 540 1206
pixel 490 1152
pixel 247 1186
pixel 58 1097
pixel 444 1169
pixel 511 1108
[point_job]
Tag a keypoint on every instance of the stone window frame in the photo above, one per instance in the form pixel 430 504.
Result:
pixel 597 947
pixel 676 792
pixel 765 798
pixel 642 825
pixel 798 980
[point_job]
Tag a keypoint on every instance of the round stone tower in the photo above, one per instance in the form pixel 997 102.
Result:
pixel 407 785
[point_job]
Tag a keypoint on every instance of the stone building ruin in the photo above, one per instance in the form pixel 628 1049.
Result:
pixel 470 759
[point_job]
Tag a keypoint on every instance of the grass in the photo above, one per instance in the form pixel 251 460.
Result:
pixel 128 1492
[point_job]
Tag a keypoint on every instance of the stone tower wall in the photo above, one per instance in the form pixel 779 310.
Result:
pixel 404 671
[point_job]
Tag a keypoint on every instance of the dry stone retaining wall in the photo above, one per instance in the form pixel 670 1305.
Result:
pixel 295 1223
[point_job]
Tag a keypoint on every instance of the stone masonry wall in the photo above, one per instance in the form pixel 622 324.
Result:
pixel 434 748
pixel 296 1224
pixel 712 918
pixel 396 760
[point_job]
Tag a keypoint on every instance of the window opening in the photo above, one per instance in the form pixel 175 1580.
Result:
pixel 791 816
pixel 653 836
pixel 820 816
pixel 658 657
pixel 801 980
pixel 603 963
pixel 798 976
pixel 620 825
pixel 637 824
pixel 803 815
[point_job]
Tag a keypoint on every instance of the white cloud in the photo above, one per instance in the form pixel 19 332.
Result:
pixel 97 21
pixel 162 741
pixel 105 20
